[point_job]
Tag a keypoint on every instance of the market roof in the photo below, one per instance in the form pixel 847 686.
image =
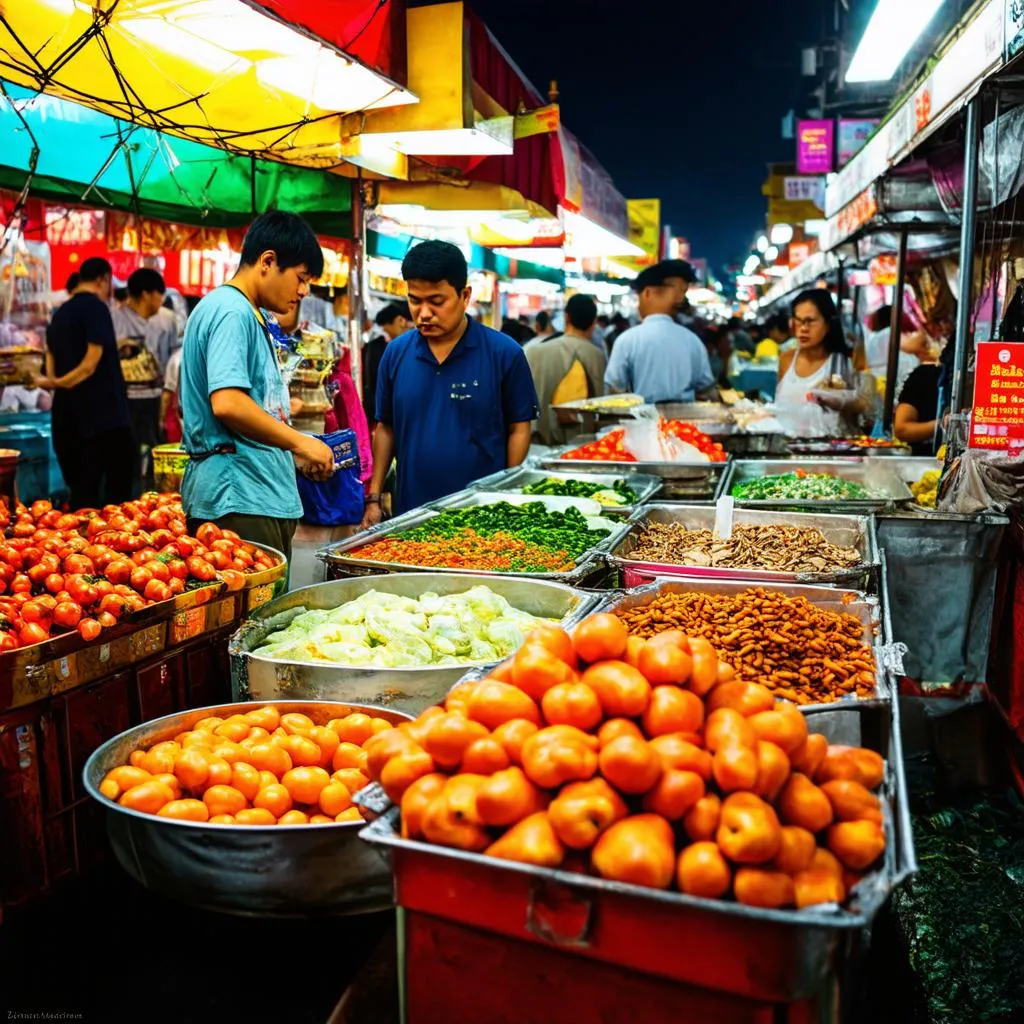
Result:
pixel 221 72
pixel 89 158
pixel 971 56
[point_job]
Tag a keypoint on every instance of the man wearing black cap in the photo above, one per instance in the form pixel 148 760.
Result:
pixel 660 359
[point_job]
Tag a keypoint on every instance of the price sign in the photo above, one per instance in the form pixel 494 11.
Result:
pixel 997 420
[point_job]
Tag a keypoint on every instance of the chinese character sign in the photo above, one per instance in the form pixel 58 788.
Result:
pixel 811 190
pixel 997 420
pixel 815 147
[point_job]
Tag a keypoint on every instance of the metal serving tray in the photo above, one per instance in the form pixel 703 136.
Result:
pixel 865 607
pixel 846 531
pixel 646 487
pixel 773 955
pixel 408 688
pixel 341 555
pixel 667 471
pixel 253 870
pixel 875 474
pixel 586 405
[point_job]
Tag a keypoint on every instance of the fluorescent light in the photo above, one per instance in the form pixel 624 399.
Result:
pixel 782 234
pixel 813 228
pixel 771 254
pixel 762 243
pixel 894 28
pixel 585 238
pixel 750 280
pixel 753 262
pixel 776 271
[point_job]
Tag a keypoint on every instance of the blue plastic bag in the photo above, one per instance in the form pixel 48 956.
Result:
pixel 338 501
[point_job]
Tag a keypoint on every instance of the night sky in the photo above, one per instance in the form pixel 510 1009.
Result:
pixel 682 101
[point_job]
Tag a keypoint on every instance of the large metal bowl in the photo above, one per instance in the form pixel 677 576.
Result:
pixel 409 689
pixel 258 871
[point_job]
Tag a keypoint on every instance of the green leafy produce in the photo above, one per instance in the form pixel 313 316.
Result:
pixel 800 486
pixel 388 631
pixel 618 493
pixel 963 912
pixel 566 531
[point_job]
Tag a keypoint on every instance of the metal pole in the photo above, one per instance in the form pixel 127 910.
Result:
pixel 356 300
pixel 894 335
pixel 966 275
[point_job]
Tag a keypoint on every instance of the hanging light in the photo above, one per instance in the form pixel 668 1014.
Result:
pixel 894 28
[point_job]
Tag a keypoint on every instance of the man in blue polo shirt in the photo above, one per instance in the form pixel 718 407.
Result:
pixel 455 400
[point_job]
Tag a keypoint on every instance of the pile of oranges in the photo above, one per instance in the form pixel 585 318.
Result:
pixel 641 761
pixel 258 768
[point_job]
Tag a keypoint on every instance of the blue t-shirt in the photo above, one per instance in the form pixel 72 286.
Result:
pixel 451 420
pixel 226 346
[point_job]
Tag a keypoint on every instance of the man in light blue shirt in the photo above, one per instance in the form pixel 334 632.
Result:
pixel 659 359
pixel 241 474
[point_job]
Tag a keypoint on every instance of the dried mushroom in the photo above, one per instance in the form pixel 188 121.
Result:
pixel 793 549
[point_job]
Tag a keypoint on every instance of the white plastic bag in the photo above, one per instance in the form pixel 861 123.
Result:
pixel 647 443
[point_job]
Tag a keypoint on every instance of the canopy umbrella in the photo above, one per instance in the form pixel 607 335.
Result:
pixel 75 155
pixel 220 72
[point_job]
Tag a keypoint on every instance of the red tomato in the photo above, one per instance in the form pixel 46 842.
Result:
pixel 33 611
pixel 81 591
pixel 177 527
pixel 47 601
pixel 157 591
pixel 106 620
pixel 140 577
pixel 32 633
pixel 208 533
pixel 31 555
pixel 21 584
pixel 114 604
pixel 176 586
pixel 54 583
pixel 201 568
pixel 67 614
pixel 79 563
pixel 178 568
pixel 161 538
pixel 119 571
pixel 9 642
pixel 220 560
pixel 103 587
pixel 159 570
pixel 12 556
pixel 144 556
pixel 89 629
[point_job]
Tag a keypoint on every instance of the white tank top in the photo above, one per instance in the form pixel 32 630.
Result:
pixel 792 389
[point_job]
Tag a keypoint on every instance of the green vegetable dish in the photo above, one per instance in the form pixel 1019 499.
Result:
pixel 390 631
pixel 617 494
pixel 800 486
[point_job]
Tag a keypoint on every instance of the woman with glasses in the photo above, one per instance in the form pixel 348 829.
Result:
pixel 820 363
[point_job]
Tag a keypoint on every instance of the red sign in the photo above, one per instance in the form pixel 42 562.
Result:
pixel 798 252
pixel 997 420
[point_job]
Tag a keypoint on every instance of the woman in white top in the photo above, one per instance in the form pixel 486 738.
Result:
pixel 820 355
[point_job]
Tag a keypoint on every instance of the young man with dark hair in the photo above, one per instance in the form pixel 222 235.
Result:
pixel 454 398
pixel 92 435
pixel 241 473
pixel 566 367
pixel 142 325
pixel 394 320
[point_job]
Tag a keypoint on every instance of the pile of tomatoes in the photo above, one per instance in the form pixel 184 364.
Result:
pixel 641 761
pixel 612 447
pixel 257 768
pixel 85 570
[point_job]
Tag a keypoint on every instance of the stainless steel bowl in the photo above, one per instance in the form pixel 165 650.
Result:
pixel 409 688
pixel 252 870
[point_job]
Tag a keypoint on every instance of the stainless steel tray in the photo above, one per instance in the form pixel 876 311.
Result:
pixel 341 555
pixel 407 689
pixel 846 531
pixel 254 870
pixel 664 470
pixel 586 405
pixel 865 607
pixel 696 412
pixel 645 486
pixel 785 955
pixel 875 474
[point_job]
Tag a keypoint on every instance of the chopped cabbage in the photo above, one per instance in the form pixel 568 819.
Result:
pixel 379 630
